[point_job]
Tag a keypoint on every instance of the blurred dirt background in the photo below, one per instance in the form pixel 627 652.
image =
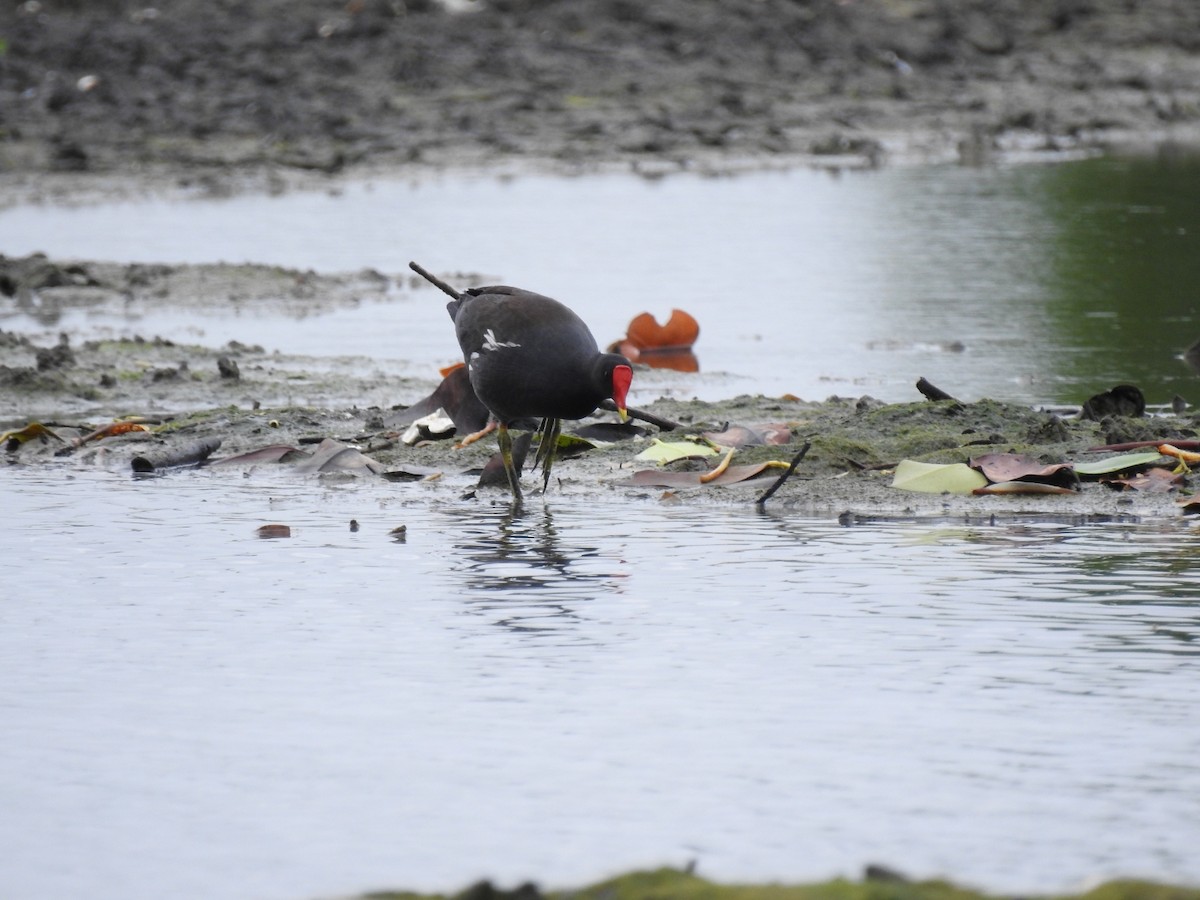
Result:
pixel 222 86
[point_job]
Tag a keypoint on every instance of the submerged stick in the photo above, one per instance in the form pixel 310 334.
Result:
pixel 190 455
pixel 434 280
pixel 770 492
pixel 932 391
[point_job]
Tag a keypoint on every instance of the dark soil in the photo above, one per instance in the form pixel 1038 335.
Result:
pixel 212 86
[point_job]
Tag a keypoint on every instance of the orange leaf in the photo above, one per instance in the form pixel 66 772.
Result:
pixel 110 431
pixel 1183 456
pixel 679 333
pixel 676 360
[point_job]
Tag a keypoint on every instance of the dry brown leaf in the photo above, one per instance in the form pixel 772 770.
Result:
pixel 1152 481
pixel 751 435
pixel 1023 487
pixel 334 456
pixel 1004 467
pixel 276 453
pixel 732 475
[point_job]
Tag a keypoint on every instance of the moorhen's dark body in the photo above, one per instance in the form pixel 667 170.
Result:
pixel 529 356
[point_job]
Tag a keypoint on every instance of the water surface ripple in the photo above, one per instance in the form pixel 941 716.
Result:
pixel 575 690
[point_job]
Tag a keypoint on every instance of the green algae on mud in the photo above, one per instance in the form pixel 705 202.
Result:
pixel 847 470
pixel 661 884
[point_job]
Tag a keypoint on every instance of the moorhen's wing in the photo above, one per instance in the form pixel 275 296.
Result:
pixel 527 354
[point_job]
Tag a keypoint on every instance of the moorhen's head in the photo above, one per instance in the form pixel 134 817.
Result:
pixel 615 373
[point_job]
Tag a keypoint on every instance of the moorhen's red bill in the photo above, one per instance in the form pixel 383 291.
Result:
pixel 529 356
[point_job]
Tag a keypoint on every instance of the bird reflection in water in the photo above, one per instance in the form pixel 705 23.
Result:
pixel 518 565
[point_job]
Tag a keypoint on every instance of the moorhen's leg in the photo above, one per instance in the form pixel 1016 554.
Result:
pixel 548 444
pixel 506 454
pixel 543 444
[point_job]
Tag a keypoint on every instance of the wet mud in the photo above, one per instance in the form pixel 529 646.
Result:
pixel 239 398
pixel 220 96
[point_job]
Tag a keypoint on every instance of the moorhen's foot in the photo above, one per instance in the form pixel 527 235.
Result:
pixel 477 435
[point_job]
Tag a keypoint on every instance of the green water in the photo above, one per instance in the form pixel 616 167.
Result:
pixel 1123 277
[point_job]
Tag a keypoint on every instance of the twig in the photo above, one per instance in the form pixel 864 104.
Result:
pixel 434 280
pixel 1138 445
pixel 932 391
pixel 770 492
pixel 643 416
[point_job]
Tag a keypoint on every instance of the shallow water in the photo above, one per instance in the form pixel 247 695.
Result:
pixel 1035 283
pixel 580 690
pixel 571 692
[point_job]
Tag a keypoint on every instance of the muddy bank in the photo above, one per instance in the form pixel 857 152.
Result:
pixel 239 398
pixel 225 95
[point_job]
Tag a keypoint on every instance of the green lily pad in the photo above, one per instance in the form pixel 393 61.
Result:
pixel 932 478
pixel 663 452
pixel 1119 463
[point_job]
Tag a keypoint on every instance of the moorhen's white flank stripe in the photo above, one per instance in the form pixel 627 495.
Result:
pixel 490 342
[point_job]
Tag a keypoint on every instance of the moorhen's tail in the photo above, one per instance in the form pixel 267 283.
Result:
pixel 435 281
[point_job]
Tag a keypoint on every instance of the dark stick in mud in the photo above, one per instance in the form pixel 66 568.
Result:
pixel 434 280
pixel 770 492
pixel 193 454
pixel 932 391
pixel 642 415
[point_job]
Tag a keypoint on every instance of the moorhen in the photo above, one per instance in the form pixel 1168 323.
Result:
pixel 529 356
